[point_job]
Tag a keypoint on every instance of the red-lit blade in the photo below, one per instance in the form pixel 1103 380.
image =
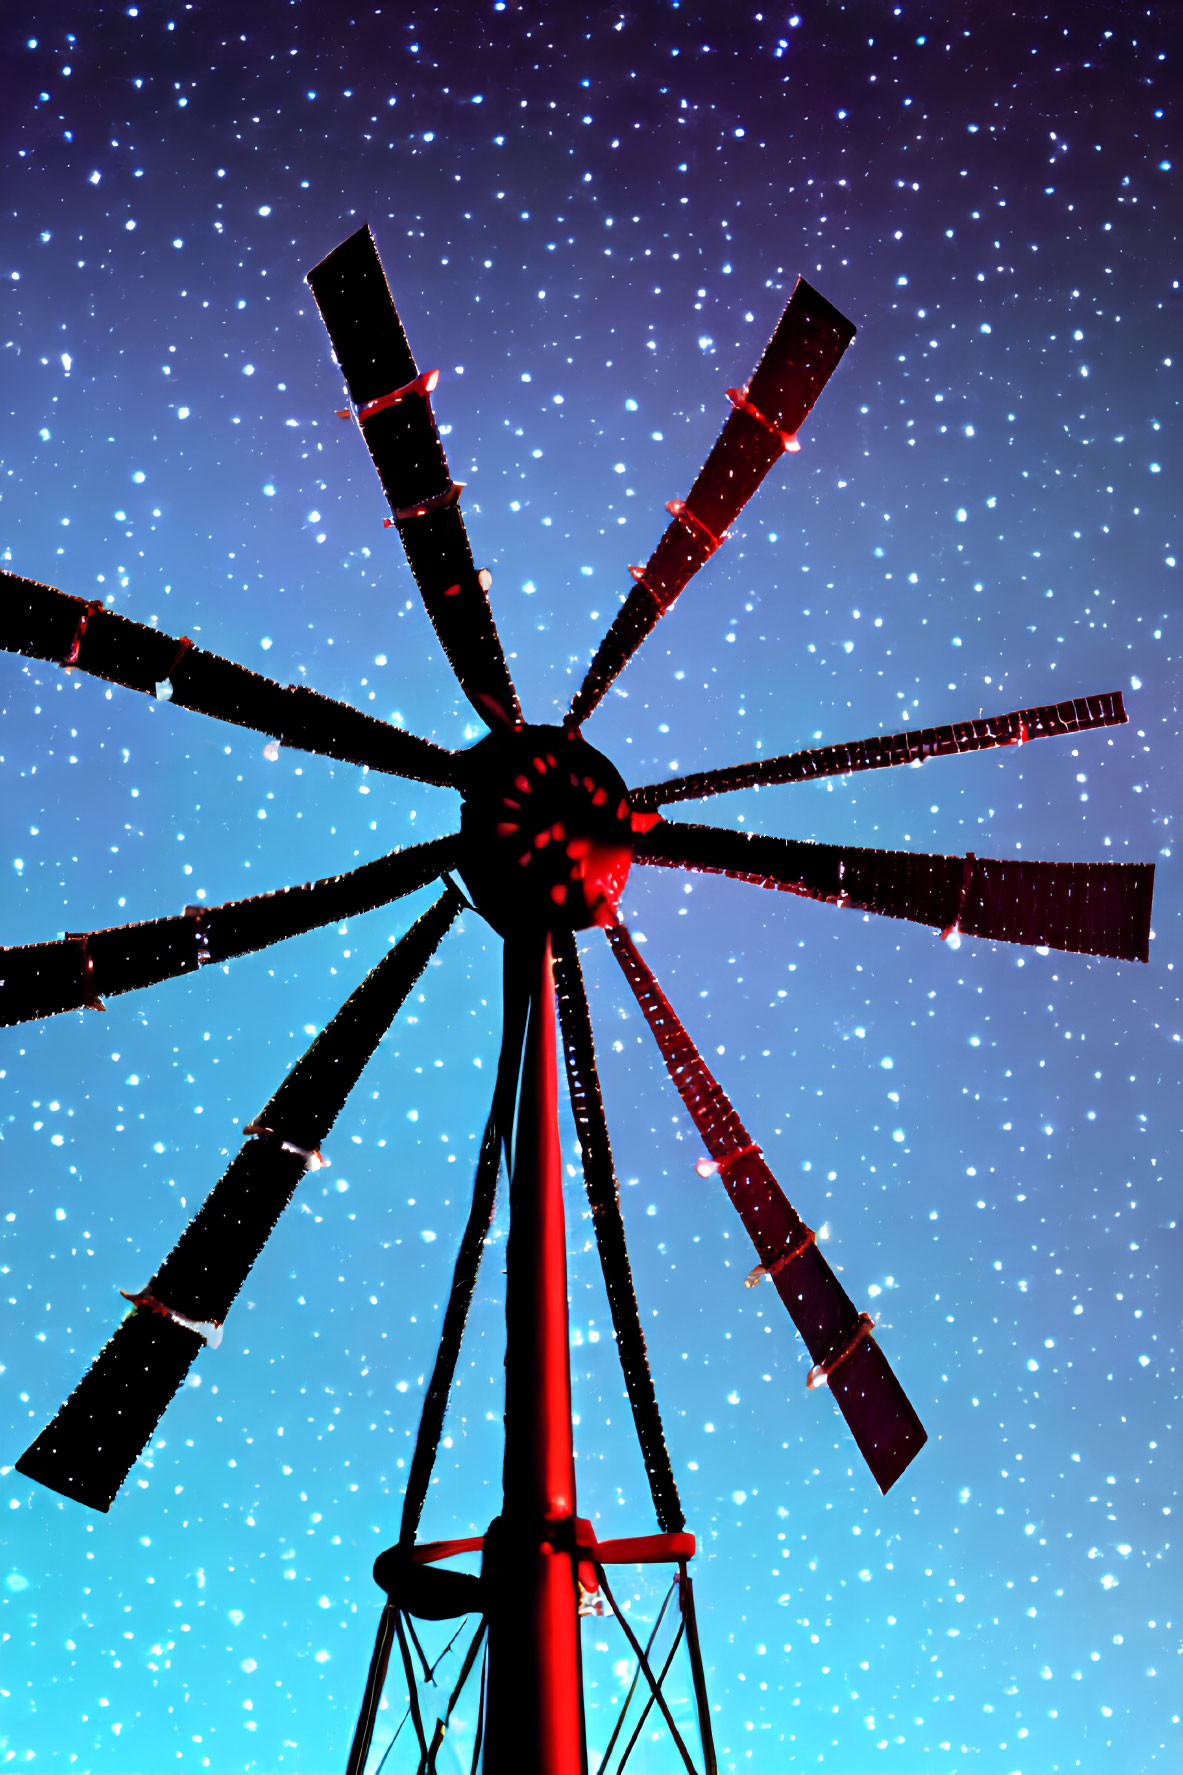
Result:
pixel 603 1193
pixel 1088 908
pixel 798 361
pixel 883 750
pixel 392 403
pixel 88 1450
pixel 81 970
pixel 882 1421
pixel 43 623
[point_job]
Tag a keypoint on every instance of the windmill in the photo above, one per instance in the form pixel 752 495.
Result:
pixel 547 835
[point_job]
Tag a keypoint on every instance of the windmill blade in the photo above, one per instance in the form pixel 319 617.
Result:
pixel 80 970
pixel 87 1451
pixel 798 361
pixel 881 751
pixel 1087 908
pixel 392 404
pixel 43 623
pixel 837 1336
pixel 603 1193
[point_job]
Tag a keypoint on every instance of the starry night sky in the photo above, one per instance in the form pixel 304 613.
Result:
pixel 591 220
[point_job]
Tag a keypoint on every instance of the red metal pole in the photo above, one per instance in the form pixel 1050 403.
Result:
pixel 535 1690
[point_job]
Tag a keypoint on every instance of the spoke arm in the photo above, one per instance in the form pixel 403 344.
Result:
pixel 603 1193
pixel 881 1419
pixel 392 404
pixel 1086 908
pixel 883 750
pixel 43 623
pixel 80 970
pixel 464 1278
pixel 798 361
pixel 88 1450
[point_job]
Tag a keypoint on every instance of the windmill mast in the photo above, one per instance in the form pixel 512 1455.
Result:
pixel 534 1698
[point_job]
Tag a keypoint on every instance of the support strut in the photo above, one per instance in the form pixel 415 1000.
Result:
pixel 535 1688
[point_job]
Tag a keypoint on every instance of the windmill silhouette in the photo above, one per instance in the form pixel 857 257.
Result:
pixel 548 833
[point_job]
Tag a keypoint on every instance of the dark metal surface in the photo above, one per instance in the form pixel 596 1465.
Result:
pixel 43 623
pixel 1088 908
pixel 881 751
pixel 88 1449
pixel 884 1425
pixel 798 361
pixel 41 979
pixel 351 292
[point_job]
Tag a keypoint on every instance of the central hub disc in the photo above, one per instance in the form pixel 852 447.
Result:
pixel 546 830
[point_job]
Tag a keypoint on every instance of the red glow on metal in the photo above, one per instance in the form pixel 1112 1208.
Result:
pixel 953 929
pixel 84 615
pixel 535 1708
pixel 638 574
pixel 493 711
pixel 184 645
pixel 424 508
pixel 820 1373
pixel 94 1002
pixel 808 1238
pixel 423 385
pixel 680 510
pixel 739 400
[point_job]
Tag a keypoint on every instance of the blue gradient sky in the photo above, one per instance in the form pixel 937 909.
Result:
pixel 591 222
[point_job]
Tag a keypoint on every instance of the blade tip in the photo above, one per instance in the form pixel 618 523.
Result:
pixel 341 247
pixel 45 1468
pixel 899 1459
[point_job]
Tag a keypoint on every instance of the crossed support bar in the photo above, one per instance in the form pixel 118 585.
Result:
pixel 414 1588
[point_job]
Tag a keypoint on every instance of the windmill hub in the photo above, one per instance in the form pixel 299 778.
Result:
pixel 547 831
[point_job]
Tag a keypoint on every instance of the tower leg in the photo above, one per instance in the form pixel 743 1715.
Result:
pixel 534 1695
